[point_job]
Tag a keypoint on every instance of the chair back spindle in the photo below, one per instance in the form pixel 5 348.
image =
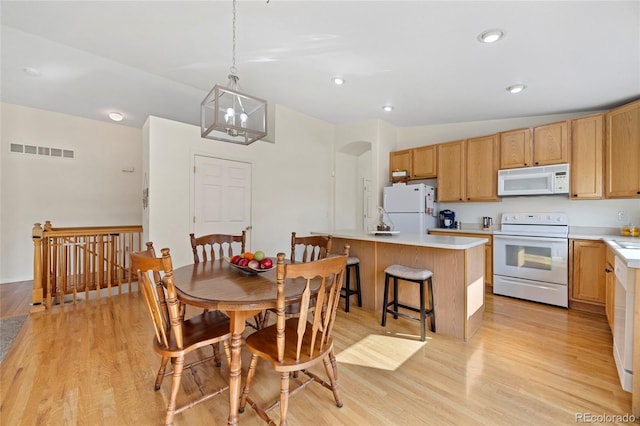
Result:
pixel 216 245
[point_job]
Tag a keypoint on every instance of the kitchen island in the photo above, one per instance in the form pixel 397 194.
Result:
pixel 457 264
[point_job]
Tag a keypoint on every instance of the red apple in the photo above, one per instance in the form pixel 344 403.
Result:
pixel 243 262
pixel 266 263
pixel 253 264
pixel 235 259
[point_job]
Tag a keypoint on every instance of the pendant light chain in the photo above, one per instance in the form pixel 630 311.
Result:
pixel 233 68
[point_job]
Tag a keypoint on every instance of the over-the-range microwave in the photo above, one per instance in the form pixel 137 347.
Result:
pixel 543 180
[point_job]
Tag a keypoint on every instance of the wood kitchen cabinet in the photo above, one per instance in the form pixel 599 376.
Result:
pixel 420 163
pixel 424 162
pixel 587 279
pixel 515 149
pixel 482 168
pixel 622 178
pixel 451 171
pixel 610 285
pixel 587 157
pixel 488 253
pixel 551 144
pixel 544 145
pixel 399 160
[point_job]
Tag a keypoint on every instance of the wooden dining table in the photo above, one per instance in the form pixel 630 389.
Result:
pixel 241 295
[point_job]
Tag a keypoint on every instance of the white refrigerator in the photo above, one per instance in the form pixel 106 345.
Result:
pixel 411 208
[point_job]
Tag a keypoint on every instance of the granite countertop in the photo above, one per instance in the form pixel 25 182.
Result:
pixel 434 241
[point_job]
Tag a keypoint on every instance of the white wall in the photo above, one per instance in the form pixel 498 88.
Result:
pixel 88 190
pixel 292 186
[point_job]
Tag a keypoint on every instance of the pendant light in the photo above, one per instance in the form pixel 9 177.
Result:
pixel 228 115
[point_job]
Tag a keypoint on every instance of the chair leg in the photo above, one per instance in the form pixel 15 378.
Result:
pixel 347 290
pixel 395 297
pixel 227 351
pixel 216 354
pixel 175 386
pixel 423 315
pixel 334 364
pixel 161 371
pixel 284 398
pixel 247 385
pixel 358 285
pixel 333 379
pixel 385 300
pixel 433 309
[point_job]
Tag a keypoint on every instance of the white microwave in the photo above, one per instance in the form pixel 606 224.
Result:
pixel 543 180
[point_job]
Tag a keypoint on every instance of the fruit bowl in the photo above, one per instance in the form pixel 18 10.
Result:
pixel 252 270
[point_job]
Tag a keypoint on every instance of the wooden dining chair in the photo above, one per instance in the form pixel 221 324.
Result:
pixel 217 245
pixel 313 247
pixel 303 249
pixel 175 337
pixel 297 344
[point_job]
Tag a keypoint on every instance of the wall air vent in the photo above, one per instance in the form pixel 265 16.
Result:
pixel 42 150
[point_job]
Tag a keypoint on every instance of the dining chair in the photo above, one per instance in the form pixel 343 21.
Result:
pixel 299 343
pixel 313 247
pixel 176 337
pixel 305 249
pixel 217 245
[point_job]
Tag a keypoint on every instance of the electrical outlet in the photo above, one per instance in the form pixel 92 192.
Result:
pixel 622 216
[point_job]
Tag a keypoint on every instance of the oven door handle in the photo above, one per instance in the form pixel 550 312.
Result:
pixel 527 238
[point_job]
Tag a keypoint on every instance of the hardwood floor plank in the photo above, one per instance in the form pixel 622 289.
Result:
pixel 93 364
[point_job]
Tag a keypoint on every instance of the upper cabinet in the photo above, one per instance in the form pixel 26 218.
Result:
pixel 587 157
pixel 424 162
pixel 482 168
pixel 515 149
pixel 420 163
pixel 622 179
pixel 399 160
pixel 451 171
pixel 544 145
pixel 550 144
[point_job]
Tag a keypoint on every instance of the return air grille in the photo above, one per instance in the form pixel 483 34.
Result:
pixel 42 150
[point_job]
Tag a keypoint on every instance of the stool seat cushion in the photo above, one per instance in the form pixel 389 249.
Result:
pixel 352 260
pixel 408 273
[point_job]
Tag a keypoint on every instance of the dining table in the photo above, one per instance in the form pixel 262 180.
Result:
pixel 239 292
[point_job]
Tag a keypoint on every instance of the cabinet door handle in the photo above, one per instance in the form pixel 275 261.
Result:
pixel 607 270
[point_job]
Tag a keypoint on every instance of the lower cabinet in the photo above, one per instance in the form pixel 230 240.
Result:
pixel 587 277
pixel 488 252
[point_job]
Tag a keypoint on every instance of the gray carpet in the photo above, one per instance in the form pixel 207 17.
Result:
pixel 9 328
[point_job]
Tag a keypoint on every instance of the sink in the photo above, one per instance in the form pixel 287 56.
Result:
pixel 629 244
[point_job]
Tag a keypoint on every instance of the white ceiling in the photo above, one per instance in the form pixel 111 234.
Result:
pixel 162 57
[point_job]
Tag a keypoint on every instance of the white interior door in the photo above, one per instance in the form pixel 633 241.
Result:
pixel 222 196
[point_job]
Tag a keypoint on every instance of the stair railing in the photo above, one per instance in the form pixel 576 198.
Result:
pixel 69 261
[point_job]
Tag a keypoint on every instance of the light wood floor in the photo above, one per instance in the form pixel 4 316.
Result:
pixel 529 364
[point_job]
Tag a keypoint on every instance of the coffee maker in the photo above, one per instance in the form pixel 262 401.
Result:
pixel 447 219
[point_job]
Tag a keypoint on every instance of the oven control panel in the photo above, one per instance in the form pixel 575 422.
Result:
pixel 553 218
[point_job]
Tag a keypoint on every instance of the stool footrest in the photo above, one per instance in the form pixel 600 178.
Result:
pixel 411 308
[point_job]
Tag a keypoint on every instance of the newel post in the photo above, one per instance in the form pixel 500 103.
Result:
pixel 37 295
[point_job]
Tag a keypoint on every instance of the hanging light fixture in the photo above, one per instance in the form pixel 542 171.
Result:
pixel 228 115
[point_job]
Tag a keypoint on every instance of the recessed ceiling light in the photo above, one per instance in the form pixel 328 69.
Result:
pixel 31 71
pixel 388 108
pixel 490 36
pixel 516 88
pixel 338 81
pixel 115 116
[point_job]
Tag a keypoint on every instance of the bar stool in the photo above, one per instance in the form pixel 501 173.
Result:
pixel 347 291
pixel 419 276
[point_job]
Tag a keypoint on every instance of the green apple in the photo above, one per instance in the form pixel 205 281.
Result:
pixel 259 255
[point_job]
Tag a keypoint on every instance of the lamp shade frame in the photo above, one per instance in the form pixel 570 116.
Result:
pixel 216 123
